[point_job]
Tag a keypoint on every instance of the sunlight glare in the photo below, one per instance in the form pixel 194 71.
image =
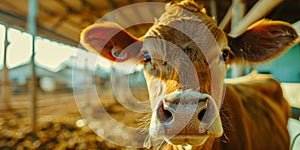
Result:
pixel 51 54
pixel 20 48
pixel 48 54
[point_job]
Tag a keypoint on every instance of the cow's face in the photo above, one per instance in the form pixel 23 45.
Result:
pixel 185 57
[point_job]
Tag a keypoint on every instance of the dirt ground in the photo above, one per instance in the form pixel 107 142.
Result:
pixel 59 123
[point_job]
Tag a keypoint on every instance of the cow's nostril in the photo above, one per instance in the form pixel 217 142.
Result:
pixel 165 114
pixel 168 115
pixel 201 114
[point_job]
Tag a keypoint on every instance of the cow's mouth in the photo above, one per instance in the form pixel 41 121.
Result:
pixel 188 140
pixel 196 139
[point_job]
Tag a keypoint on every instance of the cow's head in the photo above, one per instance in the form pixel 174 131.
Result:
pixel 185 56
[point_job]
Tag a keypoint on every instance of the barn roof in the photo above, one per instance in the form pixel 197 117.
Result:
pixel 63 20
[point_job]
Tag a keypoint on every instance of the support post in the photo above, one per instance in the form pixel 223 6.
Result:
pixel 226 18
pixel 238 12
pixel 260 9
pixel 31 22
pixel 213 10
pixel 6 89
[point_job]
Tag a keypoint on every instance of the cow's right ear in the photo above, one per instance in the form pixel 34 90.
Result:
pixel 110 41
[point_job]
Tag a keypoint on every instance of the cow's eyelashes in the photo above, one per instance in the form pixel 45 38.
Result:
pixel 147 57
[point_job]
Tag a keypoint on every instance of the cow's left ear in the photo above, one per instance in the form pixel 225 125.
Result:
pixel 263 41
pixel 110 41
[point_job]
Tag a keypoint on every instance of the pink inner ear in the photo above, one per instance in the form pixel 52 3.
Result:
pixel 103 33
pixel 103 37
pixel 99 37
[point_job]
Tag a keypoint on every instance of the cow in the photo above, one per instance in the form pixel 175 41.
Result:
pixel 185 57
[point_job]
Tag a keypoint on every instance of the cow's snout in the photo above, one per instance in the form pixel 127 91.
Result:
pixel 186 113
pixel 192 108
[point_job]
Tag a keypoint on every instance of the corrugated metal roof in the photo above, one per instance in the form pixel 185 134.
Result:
pixel 63 20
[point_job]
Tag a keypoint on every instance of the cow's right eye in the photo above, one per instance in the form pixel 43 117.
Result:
pixel 225 55
pixel 147 57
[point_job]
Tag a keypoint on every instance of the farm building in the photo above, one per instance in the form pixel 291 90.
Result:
pixel 57 95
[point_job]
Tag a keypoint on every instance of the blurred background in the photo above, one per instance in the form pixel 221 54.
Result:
pixel 37 105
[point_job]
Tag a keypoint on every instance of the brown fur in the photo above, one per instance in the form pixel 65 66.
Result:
pixel 258 116
pixel 194 53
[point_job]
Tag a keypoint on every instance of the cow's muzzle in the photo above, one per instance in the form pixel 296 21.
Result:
pixel 186 115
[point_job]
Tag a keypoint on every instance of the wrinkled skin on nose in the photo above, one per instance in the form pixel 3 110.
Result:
pixel 187 114
pixel 183 107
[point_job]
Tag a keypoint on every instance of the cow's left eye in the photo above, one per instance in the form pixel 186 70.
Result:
pixel 147 57
pixel 225 55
